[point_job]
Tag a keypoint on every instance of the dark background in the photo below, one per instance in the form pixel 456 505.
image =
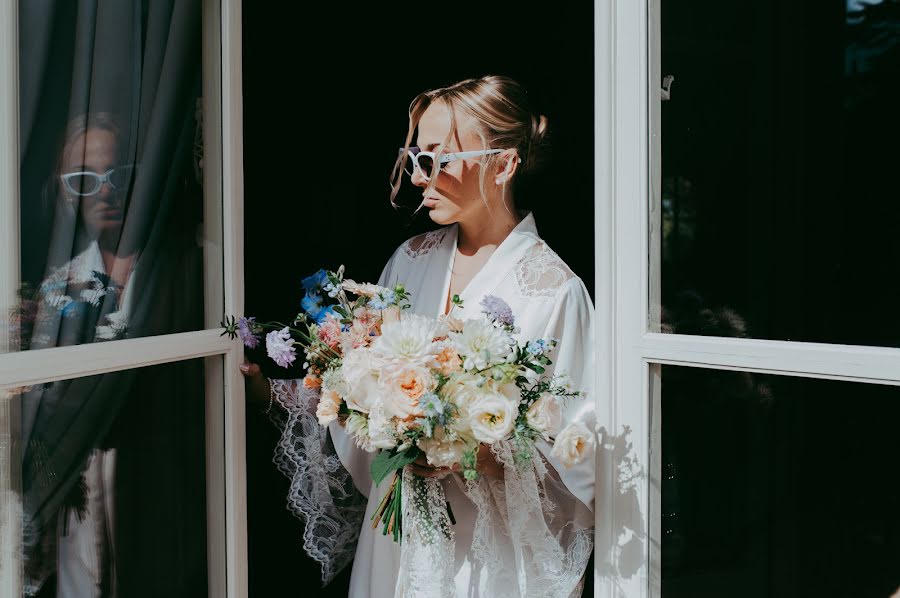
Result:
pixel 326 93
pixel 780 164
pixel 780 203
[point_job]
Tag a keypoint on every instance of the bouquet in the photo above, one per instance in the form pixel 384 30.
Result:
pixel 406 385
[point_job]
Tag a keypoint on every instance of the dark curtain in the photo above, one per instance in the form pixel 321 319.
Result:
pixel 127 75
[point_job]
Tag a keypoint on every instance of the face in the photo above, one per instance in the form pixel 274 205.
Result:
pixel 456 195
pixel 96 151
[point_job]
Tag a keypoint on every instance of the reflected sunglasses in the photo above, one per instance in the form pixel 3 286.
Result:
pixel 85 183
pixel 424 161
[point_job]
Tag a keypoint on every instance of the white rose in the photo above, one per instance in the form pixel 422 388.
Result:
pixel 573 444
pixel 492 417
pixel 462 390
pixel 327 409
pixel 362 384
pixel 511 392
pixel 544 415
pixel 441 450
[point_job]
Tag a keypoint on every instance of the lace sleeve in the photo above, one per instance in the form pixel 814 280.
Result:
pixel 530 532
pixel 322 494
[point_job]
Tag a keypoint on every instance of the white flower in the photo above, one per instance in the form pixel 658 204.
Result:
pixel 380 434
pixel 280 347
pixel 491 417
pixel 366 289
pixel 93 295
pixel 511 392
pixel 402 387
pixel 361 380
pixel 410 340
pixel 327 409
pixel 573 444
pixel 481 344
pixel 463 390
pixel 544 415
pixel 443 450
pixel 116 325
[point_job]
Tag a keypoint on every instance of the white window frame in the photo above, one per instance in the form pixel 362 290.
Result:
pixel 627 167
pixel 223 286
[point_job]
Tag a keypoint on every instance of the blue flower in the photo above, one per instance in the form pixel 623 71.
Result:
pixel 73 309
pixel 312 305
pixel 315 283
pixel 537 347
pixel 383 300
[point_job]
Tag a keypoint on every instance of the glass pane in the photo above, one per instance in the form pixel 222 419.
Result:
pixel 777 487
pixel 779 194
pixel 110 483
pixel 111 186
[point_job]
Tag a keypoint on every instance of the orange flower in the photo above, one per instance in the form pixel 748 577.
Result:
pixel 448 361
pixel 412 386
pixel 311 381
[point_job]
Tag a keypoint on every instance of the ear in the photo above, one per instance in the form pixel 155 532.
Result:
pixel 507 167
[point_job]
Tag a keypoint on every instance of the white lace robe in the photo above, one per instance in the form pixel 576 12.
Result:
pixel 528 535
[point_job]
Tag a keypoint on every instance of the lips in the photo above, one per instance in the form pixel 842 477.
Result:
pixel 429 202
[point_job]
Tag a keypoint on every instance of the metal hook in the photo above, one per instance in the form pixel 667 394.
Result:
pixel 666 92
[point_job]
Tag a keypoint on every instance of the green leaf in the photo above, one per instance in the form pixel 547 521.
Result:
pixel 389 461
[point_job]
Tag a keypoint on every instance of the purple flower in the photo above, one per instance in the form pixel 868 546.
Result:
pixel 280 347
pixel 498 310
pixel 245 330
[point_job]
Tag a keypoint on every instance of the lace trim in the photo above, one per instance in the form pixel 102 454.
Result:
pixel 551 551
pixel 422 244
pixel 541 272
pixel 427 555
pixel 322 494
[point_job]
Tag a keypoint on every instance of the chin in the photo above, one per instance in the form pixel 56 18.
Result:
pixel 443 217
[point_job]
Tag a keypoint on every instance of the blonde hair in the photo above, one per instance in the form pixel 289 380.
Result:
pixel 504 120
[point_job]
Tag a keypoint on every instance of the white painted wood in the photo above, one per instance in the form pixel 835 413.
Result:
pixel 61 363
pixel 623 296
pixel 654 228
pixel 214 299
pixel 604 274
pixel 216 504
pixel 879 365
pixel 233 246
pixel 11 574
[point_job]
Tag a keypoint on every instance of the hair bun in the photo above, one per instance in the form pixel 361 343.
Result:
pixel 537 142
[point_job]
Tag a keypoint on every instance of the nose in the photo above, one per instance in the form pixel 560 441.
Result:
pixel 417 179
pixel 105 190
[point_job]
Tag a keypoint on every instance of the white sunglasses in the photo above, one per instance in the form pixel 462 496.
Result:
pixel 424 161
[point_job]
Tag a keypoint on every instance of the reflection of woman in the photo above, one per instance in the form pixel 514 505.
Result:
pixel 518 531
pixel 92 442
pixel 84 298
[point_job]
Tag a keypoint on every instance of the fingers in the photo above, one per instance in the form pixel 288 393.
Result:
pixel 250 369
pixel 428 472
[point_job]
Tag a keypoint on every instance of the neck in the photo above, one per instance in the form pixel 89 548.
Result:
pixel 488 230
pixel 118 267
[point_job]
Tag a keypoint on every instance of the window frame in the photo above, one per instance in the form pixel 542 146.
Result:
pixel 222 113
pixel 627 242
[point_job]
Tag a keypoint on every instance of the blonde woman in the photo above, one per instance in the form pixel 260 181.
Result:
pixel 519 531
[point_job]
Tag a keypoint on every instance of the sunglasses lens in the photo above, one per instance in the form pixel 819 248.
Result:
pixel 121 177
pixel 427 165
pixel 83 184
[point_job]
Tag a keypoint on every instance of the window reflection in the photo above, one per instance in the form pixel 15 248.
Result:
pixel 778 153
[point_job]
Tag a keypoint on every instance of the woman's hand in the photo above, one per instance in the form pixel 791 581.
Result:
pixel 486 464
pixel 256 385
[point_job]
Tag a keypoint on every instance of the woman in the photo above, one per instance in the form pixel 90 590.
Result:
pixel 519 530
